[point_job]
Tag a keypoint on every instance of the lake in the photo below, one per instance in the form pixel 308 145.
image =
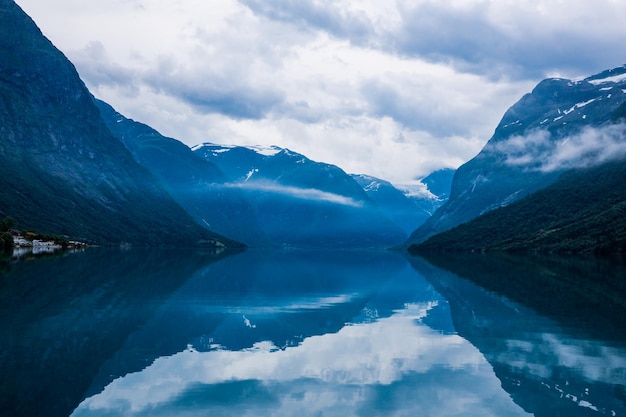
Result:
pixel 147 332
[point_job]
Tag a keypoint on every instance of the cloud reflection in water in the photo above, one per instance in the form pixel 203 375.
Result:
pixel 393 366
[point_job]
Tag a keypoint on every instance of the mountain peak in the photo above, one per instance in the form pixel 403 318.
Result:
pixel 562 107
pixel 560 125
pixel 615 75
pixel 265 150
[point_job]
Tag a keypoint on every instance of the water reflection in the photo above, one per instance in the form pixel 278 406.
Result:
pixel 61 317
pixel 374 368
pixel 310 333
pixel 285 333
pixel 305 333
pixel 571 360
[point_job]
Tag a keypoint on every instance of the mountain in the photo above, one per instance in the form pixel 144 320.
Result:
pixel 219 185
pixel 439 183
pixel 300 202
pixel 195 183
pixel 409 210
pixel 562 125
pixel 62 170
pixel 583 211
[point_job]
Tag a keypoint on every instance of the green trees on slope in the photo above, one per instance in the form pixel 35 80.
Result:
pixel 584 211
pixel 6 238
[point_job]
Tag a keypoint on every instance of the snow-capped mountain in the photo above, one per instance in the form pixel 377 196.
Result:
pixel 407 206
pixel 302 202
pixel 195 183
pixel 560 126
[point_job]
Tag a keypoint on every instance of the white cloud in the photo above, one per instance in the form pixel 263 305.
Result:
pixel 311 194
pixel 340 81
pixel 539 151
pixel 330 374
pixel 588 148
pixel 507 37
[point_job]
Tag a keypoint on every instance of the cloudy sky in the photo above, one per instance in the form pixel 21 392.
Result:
pixel 393 88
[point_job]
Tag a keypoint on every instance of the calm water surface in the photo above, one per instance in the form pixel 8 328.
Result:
pixel 302 333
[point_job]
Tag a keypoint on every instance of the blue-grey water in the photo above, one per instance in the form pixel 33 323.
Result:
pixel 311 333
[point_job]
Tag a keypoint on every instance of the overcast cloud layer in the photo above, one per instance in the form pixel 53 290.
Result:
pixel 394 89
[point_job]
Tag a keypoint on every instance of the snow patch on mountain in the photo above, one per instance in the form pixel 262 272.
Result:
pixel 367 182
pixel 213 148
pixel 218 148
pixel 373 186
pixel 203 145
pixel 416 189
pixel 611 79
pixel 250 174
pixel 265 150
pixel 578 106
pixel 221 150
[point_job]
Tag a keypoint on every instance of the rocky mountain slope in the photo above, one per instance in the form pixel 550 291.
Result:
pixel 583 211
pixel 262 196
pixel 562 125
pixel 62 170
pixel 195 183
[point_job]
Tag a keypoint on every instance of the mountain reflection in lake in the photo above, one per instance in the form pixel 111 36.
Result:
pixel 284 333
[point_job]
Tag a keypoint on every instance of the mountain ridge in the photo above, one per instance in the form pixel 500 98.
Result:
pixel 560 125
pixel 563 217
pixel 301 202
pixel 407 209
pixel 64 173
pixel 195 183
